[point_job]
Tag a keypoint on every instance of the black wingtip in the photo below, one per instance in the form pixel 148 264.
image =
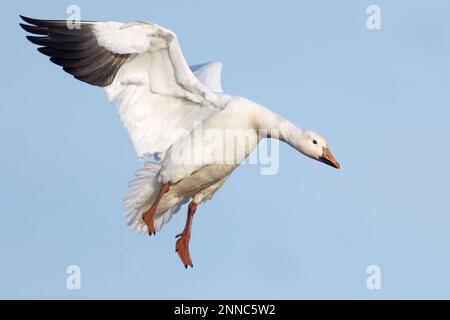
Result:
pixel 42 22
pixel 25 27
pixel 37 22
pixel 46 51
pixel 40 41
pixel 34 29
pixel 28 20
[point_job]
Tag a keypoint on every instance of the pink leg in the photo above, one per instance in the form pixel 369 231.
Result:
pixel 149 215
pixel 182 246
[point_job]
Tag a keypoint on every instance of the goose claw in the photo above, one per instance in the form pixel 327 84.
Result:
pixel 149 221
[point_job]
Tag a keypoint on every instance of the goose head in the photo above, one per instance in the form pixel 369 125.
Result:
pixel 316 147
pixel 307 142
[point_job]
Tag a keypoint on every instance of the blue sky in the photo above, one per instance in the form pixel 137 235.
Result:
pixel 380 97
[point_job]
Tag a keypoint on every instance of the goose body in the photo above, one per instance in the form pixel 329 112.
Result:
pixel 175 113
pixel 200 179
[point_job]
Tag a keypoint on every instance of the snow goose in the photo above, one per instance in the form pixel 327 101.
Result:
pixel 165 104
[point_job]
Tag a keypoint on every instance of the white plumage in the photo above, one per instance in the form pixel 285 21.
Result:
pixel 165 105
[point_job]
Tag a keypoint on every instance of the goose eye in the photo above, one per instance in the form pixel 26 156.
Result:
pixel 315 141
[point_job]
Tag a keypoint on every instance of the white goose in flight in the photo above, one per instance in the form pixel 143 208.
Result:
pixel 164 104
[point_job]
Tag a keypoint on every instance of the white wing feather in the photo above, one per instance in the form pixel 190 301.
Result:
pixel 158 97
pixel 210 74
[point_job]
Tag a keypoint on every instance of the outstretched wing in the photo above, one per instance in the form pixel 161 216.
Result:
pixel 142 68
